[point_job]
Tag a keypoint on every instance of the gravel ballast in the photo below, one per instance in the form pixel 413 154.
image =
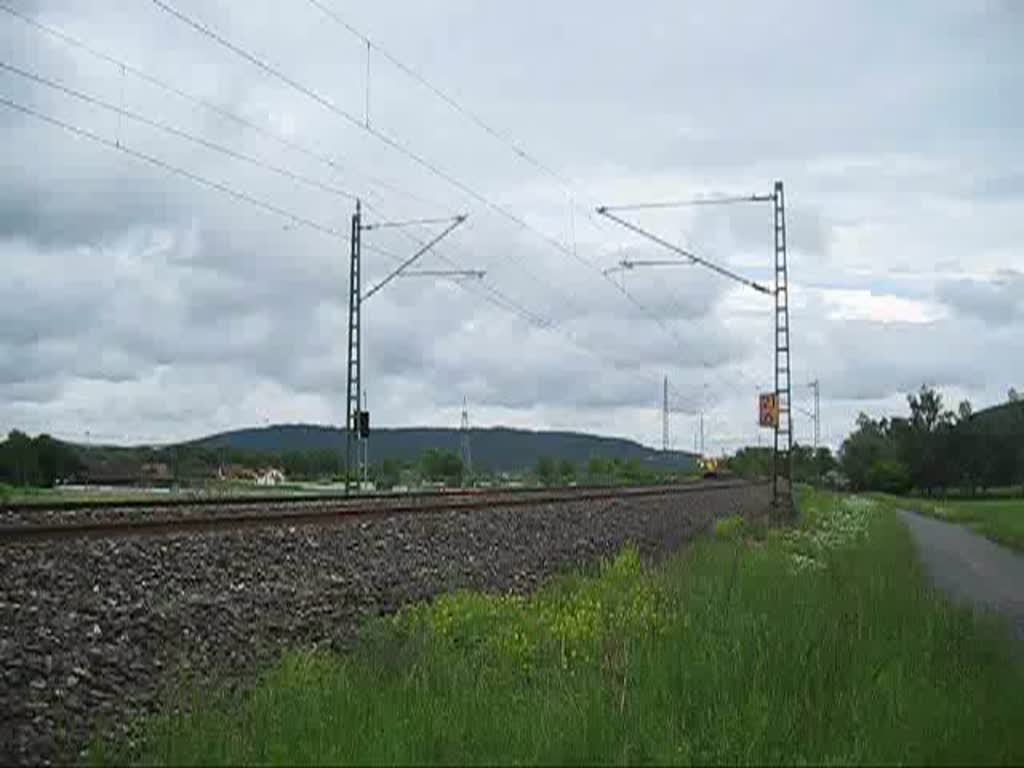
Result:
pixel 93 631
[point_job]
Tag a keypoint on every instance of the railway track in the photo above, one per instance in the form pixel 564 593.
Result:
pixel 135 518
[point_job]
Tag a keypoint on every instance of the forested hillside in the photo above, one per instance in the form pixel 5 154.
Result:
pixel 494 449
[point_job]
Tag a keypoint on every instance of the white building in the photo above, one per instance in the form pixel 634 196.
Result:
pixel 271 476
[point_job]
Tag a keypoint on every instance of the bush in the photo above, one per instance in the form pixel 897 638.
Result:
pixel 730 528
pixel 889 476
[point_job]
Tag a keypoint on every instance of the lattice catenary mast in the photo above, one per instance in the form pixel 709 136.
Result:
pixel 353 412
pixel 783 454
pixel 357 419
pixel 782 462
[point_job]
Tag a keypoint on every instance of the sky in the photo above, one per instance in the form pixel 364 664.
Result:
pixel 175 251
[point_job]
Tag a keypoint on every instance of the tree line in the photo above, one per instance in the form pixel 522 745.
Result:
pixel 44 462
pixel 39 461
pixel 934 449
pixel 809 465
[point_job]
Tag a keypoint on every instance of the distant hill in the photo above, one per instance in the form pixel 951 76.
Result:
pixel 1002 419
pixel 494 449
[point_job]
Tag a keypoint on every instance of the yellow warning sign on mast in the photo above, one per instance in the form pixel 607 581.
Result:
pixel 768 409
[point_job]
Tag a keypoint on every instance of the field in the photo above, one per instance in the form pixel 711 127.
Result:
pixel 113 495
pixel 820 644
pixel 1001 520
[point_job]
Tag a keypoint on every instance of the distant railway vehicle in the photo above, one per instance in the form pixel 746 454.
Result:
pixel 711 468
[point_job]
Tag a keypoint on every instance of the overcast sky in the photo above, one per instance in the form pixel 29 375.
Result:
pixel 137 305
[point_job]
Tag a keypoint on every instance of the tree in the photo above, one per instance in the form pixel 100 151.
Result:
pixel 888 475
pixel 547 471
pixel 964 411
pixel 41 461
pixel 19 463
pixel 390 473
pixel 925 409
pixel 54 459
pixel 927 449
pixel 1013 396
pixel 751 463
pixel 566 471
pixel 824 461
pixel 443 466
pixel 866 446
pixel 599 468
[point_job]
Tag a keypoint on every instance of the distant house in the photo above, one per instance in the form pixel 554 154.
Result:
pixel 106 471
pixel 270 476
pixel 236 472
pixel 156 473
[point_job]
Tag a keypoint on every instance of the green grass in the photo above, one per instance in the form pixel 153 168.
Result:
pixel 1001 520
pixel 820 644
pixel 43 496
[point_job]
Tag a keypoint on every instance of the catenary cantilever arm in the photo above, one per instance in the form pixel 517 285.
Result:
pixel 408 262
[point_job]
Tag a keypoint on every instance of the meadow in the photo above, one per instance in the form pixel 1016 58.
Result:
pixel 1000 519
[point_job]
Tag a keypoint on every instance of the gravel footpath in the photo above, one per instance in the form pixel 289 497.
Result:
pixel 94 632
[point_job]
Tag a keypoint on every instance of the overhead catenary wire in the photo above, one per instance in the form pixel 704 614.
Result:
pixel 448 99
pixel 290 143
pixel 414 257
pixel 350 118
pixel 697 201
pixel 604 211
pixel 176 170
pixel 474 273
pixel 516 148
pixel 469 114
pixel 271 207
pixel 489 293
pixel 395 144
pixel 568 185
pixel 494 295
pixel 408 222
pixel 539 321
pixel 220 111
pixel 172 130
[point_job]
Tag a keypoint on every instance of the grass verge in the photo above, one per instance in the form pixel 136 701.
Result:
pixel 1001 520
pixel 819 644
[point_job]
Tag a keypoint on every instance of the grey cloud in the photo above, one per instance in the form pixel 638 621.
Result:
pixel 996 303
pixel 146 302
pixel 1007 186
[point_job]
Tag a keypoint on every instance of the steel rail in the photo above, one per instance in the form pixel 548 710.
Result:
pixel 329 513
pixel 283 499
